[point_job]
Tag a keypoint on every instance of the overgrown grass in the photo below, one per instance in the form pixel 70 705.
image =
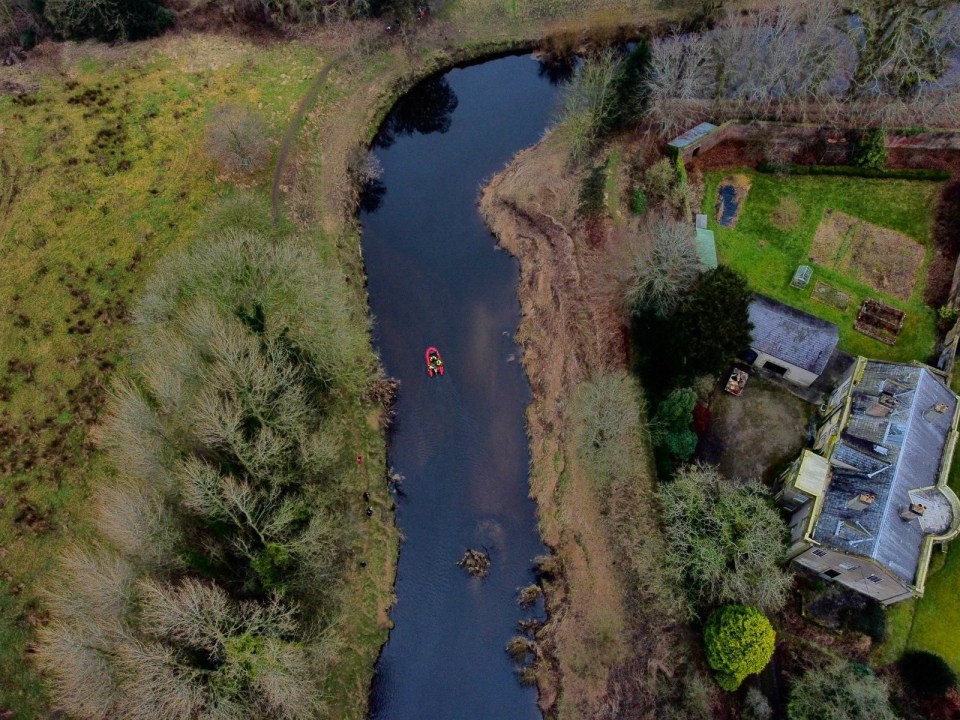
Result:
pixel 767 251
pixel 101 175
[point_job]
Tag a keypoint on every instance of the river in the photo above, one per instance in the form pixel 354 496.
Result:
pixel 436 278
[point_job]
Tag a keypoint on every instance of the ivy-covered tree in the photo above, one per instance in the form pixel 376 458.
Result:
pixel 739 642
pixel 725 541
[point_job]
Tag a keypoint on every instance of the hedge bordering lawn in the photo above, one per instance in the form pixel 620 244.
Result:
pixel 852 171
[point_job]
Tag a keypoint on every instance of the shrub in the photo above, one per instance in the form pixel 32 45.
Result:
pixel 638 202
pixel 853 171
pixel 839 690
pixel 756 706
pixel 872 621
pixel 926 673
pixel 713 554
pixel 237 139
pixel 660 178
pixel 672 421
pixel 870 149
pixel 107 19
pixel 592 192
pixel 607 414
pixel 739 642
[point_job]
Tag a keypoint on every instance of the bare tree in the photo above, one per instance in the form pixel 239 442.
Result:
pixel 682 79
pixel 237 139
pixel 663 265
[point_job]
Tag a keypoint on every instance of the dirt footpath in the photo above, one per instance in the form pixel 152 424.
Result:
pixel 572 328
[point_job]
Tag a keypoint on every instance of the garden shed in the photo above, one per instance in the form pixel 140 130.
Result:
pixel 788 342
pixel 692 141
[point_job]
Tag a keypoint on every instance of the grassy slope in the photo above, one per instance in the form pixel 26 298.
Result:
pixel 78 223
pixel 769 256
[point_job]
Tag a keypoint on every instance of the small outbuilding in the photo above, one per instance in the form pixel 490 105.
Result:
pixel 693 140
pixel 788 342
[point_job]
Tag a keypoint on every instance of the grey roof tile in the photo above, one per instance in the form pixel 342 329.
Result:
pixel 792 335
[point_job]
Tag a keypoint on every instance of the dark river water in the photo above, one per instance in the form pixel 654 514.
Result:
pixel 436 278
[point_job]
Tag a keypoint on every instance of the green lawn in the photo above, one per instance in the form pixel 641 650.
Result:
pixel 768 255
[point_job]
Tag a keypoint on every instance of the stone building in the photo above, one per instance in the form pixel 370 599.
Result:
pixel 788 342
pixel 870 501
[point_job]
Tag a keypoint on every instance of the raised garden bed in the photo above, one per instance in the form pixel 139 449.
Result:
pixel 879 321
pixel 829 295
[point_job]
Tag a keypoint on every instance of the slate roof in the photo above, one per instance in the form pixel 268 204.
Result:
pixel 792 335
pixel 892 445
pixel 692 135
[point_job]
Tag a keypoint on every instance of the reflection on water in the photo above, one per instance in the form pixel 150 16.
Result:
pixel 557 69
pixel 427 108
pixel 435 278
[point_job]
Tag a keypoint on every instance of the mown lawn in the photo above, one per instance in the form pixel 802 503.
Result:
pixel 102 172
pixel 768 255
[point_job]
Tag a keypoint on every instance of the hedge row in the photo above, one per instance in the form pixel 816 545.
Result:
pixel 852 171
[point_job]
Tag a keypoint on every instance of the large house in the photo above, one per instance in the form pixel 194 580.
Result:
pixel 788 342
pixel 870 502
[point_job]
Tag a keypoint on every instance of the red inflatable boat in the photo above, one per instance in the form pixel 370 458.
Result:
pixel 434 362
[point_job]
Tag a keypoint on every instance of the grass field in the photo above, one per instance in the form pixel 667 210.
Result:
pixel 777 225
pixel 101 173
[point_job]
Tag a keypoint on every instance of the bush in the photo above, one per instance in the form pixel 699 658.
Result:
pixel 739 641
pixel 871 621
pixel 870 149
pixel 660 178
pixel 839 690
pixel 926 673
pixel 237 139
pixel 671 424
pixel 107 20
pixel 638 202
pixel 853 171
pixel 756 706
pixel 592 192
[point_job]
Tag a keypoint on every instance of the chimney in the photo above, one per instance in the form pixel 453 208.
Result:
pixel 938 409
pixel 861 501
pixel 912 511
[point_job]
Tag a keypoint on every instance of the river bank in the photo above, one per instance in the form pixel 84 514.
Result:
pixel 606 641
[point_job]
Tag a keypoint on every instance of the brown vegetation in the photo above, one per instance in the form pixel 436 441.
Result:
pixel 609 644
pixel 884 259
